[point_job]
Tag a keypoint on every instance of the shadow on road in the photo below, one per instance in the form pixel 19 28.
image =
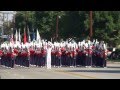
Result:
pixel 92 70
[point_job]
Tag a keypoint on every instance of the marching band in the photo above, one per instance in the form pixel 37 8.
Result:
pixel 62 54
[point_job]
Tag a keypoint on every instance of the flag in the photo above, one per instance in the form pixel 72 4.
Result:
pixel 19 36
pixel 33 36
pixel 11 38
pixel 25 37
pixel 16 36
pixel 38 38
pixel 29 39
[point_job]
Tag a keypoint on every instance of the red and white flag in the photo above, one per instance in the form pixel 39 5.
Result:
pixel 25 37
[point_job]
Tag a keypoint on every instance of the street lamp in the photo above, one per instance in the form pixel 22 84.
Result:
pixel 57 26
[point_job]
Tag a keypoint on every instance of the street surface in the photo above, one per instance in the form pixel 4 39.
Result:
pixel 111 72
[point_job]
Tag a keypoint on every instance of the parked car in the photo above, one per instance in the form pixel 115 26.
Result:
pixel 109 51
pixel 115 54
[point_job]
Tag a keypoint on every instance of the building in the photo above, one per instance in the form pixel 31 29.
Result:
pixel 5 16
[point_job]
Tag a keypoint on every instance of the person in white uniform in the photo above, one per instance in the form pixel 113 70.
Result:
pixel 49 56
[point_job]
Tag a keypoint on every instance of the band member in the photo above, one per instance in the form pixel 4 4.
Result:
pixel 80 56
pixel 94 56
pixel 104 57
pixel 48 58
pixel 32 54
pixel 53 56
pixel 38 57
pixel 19 57
pixel 16 51
pixel 74 56
pixel 58 57
pixel 69 57
pixel 35 56
pixel 5 59
pixel 43 56
pixel 1 53
pixel 10 58
pixel 27 57
pixel 13 57
pixel 63 56
pixel 97 57
pixel 84 55
pixel 89 56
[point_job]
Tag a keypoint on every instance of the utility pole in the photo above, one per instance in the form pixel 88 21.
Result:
pixel 7 20
pixel 3 24
pixel 57 28
pixel 26 20
pixel 91 26
pixel 57 25
pixel 13 24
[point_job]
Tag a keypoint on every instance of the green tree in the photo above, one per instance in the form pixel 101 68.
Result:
pixel 106 24
pixel 45 22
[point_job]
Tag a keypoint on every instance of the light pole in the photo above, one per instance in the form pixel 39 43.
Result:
pixel 91 26
pixel 57 27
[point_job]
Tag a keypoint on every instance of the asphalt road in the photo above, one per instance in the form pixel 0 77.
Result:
pixel 111 72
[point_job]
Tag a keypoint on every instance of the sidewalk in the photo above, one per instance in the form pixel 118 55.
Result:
pixel 113 62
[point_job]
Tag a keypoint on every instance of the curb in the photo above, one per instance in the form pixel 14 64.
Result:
pixel 113 62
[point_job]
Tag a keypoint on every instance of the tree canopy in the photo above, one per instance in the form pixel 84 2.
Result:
pixel 106 24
